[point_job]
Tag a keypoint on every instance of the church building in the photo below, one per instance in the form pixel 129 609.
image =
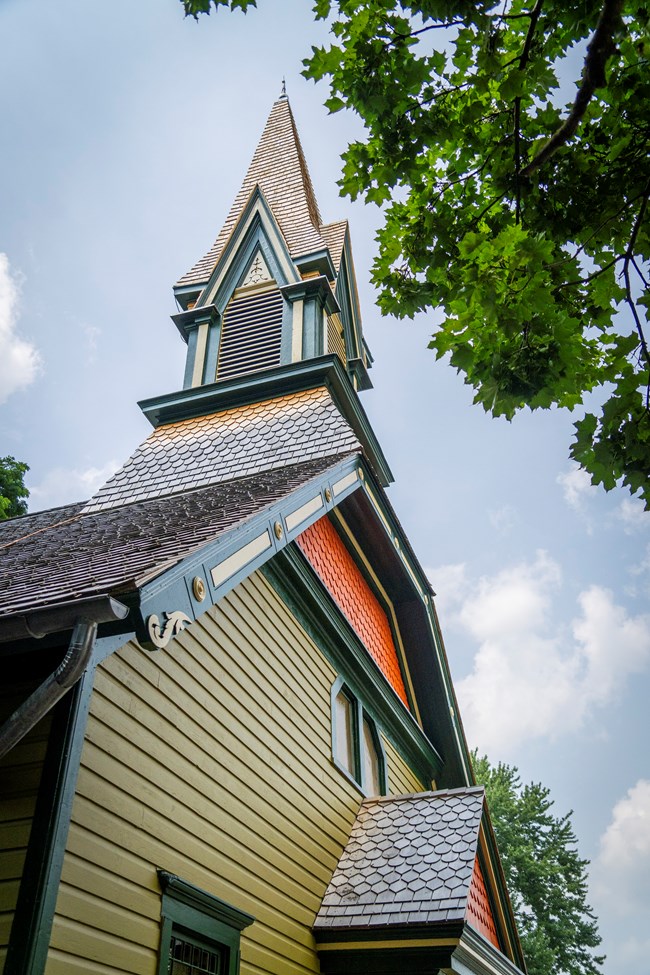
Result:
pixel 229 736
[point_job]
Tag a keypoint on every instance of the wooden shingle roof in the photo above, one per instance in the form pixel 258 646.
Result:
pixel 66 554
pixel 280 170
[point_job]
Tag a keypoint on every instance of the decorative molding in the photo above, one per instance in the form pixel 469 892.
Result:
pixel 160 636
pixel 198 589
pixel 240 558
pixel 258 273
pixel 310 507
pixel 192 896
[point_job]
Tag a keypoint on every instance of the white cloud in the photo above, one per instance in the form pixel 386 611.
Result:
pixel 576 486
pixel 620 874
pixel 504 519
pixel 61 486
pixel 535 676
pixel 19 359
pixel 91 336
pixel 631 512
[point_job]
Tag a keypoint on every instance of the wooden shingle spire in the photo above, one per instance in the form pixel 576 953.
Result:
pixel 280 170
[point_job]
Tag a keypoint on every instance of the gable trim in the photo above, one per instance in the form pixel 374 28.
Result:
pixel 301 589
pixel 222 564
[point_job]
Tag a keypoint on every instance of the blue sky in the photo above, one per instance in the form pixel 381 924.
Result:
pixel 126 132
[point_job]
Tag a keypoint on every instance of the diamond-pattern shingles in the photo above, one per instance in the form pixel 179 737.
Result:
pixel 479 912
pixel 113 551
pixel 337 570
pixel 409 861
pixel 280 170
pixel 234 443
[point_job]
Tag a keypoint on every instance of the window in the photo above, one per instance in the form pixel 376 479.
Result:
pixel 356 745
pixel 200 933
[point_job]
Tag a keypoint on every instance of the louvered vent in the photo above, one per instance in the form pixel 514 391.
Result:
pixel 335 340
pixel 251 334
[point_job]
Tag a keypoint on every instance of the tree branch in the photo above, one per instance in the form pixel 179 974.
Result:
pixel 629 258
pixel 523 61
pixel 599 50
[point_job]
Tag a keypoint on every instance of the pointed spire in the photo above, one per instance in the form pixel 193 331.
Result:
pixel 280 170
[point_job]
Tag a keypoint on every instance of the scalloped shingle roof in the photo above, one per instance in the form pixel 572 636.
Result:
pixel 409 860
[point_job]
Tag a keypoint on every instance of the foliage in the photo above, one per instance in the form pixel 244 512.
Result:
pixel 546 878
pixel 524 221
pixel 13 493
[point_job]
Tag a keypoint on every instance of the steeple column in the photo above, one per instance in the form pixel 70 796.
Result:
pixel 312 300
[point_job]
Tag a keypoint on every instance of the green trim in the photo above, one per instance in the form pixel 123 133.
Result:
pixel 312 289
pixel 172 590
pixel 296 377
pixel 187 909
pixel 32 927
pixel 188 321
pixel 502 892
pixel 320 261
pixel 237 238
pixel 300 588
pixel 361 713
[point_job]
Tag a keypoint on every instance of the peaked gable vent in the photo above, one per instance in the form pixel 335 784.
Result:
pixel 251 334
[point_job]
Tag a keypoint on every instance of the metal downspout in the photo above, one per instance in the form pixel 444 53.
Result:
pixel 53 687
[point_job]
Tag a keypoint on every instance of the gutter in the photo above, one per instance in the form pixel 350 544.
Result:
pixel 85 615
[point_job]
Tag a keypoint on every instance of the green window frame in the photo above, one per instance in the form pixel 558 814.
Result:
pixel 357 749
pixel 203 923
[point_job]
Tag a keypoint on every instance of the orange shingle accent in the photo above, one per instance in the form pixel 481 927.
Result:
pixel 479 913
pixel 337 570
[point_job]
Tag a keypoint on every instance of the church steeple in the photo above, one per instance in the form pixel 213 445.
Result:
pixel 277 286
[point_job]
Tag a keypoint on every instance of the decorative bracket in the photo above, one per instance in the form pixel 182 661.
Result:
pixel 161 635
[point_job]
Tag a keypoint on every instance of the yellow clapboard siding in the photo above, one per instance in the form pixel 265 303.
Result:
pixel 234 720
pixel 123 924
pixel 205 749
pixel 168 809
pixel 210 759
pixel 197 800
pixel 11 864
pixel 95 945
pixel 114 887
pixel 234 886
pixel 61 963
pixel 97 848
pixel 402 780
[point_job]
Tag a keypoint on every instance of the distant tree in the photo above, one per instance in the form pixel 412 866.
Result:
pixel 546 877
pixel 524 221
pixel 13 493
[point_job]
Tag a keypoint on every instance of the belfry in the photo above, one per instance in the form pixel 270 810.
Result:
pixel 231 740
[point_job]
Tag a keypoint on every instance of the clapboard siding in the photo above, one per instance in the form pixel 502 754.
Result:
pixel 20 776
pixel 402 780
pixel 212 760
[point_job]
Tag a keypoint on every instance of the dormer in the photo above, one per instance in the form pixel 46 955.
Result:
pixel 277 286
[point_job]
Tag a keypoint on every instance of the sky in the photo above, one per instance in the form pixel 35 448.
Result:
pixel 126 132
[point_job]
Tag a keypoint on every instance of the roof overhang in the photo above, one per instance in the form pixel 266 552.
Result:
pixel 419 950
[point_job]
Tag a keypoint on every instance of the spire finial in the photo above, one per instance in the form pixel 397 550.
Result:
pixel 283 93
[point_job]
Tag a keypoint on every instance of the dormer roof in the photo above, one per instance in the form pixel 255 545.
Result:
pixel 280 170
